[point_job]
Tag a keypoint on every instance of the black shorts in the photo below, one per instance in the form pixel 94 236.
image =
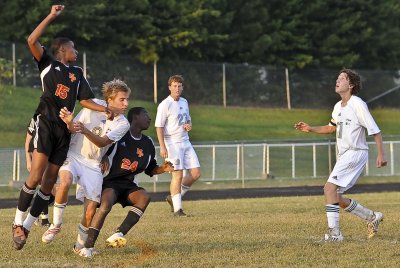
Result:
pixel 52 139
pixel 123 188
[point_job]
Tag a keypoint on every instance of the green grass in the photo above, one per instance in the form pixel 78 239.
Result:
pixel 262 232
pixel 210 123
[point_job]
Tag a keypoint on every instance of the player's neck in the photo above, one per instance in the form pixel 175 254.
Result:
pixel 135 133
pixel 345 99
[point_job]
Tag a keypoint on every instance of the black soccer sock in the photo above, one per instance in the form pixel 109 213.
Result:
pixel 40 201
pixel 46 208
pixel 51 199
pixel 92 237
pixel 131 219
pixel 25 197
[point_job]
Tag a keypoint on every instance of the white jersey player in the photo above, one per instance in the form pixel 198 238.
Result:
pixel 173 122
pixel 93 135
pixel 351 120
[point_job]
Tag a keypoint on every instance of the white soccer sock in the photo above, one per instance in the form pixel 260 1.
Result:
pixel 332 214
pixel 44 216
pixel 82 236
pixel 58 213
pixel 177 201
pixel 29 221
pixel 19 217
pixel 360 211
pixel 184 189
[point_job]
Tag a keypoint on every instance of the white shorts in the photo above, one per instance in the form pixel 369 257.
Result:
pixel 182 155
pixel 348 169
pixel 89 179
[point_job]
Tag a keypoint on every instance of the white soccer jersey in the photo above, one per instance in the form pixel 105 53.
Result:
pixel 98 124
pixel 171 115
pixel 352 121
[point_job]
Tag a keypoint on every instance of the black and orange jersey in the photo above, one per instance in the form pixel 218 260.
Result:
pixel 62 85
pixel 132 157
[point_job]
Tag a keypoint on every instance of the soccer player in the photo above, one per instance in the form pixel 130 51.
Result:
pixel 94 135
pixel 133 154
pixel 62 84
pixel 173 122
pixel 351 120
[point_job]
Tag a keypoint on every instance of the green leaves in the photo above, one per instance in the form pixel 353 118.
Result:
pixel 293 33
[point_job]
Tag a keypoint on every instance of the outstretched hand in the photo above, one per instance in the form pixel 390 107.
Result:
pixel 302 126
pixel 66 115
pixel 167 166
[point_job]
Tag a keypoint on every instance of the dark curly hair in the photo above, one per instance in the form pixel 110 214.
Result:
pixel 354 80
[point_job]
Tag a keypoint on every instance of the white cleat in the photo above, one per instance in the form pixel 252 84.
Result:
pixel 333 236
pixel 87 252
pixel 372 226
pixel 50 234
pixel 117 240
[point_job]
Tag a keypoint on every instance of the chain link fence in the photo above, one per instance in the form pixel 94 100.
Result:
pixel 211 83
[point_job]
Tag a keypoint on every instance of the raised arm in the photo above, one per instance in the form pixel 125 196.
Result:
pixel 33 39
pixel 317 129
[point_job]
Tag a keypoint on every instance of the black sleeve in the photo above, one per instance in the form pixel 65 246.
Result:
pixel 45 61
pixel 84 91
pixel 153 161
pixel 109 151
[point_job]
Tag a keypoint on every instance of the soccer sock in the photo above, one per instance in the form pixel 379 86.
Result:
pixel 82 236
pixel 24 201
pixel 58 212
pixel 40 200
pixel 177 201
pixel 92 235
pixel 52 198
pixel 360 211
pixel 184 189
pixel 131 219
pixel 332 214
pixel 44 215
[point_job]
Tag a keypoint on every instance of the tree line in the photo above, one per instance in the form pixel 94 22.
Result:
pixel 293 33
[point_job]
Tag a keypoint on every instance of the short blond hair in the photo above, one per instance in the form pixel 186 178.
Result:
pixel 110 89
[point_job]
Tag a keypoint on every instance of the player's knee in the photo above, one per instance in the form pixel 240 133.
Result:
pixel 104 209
pixel 329 189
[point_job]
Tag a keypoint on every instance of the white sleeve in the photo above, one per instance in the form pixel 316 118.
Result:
pixel 161 116
pixel 365 118
pixel 120 129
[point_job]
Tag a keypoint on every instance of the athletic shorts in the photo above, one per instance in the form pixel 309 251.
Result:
pixel 88 179
pixel 123 188
pixel 348 169
pixel 51 139
pixel 182 155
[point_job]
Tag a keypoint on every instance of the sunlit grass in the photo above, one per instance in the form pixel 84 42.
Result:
pixel 261 232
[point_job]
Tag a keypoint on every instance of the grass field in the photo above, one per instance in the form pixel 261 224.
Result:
pixel 210 123
pixel 268 232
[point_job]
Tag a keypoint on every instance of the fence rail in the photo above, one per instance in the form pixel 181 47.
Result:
pixel 243 161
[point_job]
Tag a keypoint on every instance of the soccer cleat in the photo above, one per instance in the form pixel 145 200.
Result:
pixel 87 252
pixel 51 233
pixel 333 236
pixel 169 201
pixel 42 222
pixel 117 240
pixel 372 226
pixel 20 234
pixel 180 213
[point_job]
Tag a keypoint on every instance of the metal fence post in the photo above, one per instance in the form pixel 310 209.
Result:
pixel 155 81
pixel 14 66
pixel 223 85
